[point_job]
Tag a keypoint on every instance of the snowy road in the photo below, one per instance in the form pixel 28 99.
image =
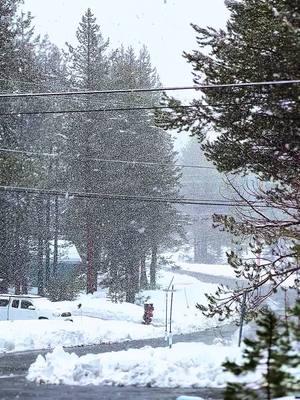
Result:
pixel 10 388
pixel 19 362
pixel 278 297
pixel 225 280
pixel 14 366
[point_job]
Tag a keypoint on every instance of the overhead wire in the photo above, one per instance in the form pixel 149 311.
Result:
pixel 136 90
pixel 138 198
pixel 123 109
pixel 104 160
pixel 91 110
pixel 155 89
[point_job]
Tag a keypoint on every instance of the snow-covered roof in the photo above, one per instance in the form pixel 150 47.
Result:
pixel 66 251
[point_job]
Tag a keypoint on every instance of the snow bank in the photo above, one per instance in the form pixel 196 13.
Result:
pixel 99 307
pixel 45 334
pixel 185 365
pixel 200 398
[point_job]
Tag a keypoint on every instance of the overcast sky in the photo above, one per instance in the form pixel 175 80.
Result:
pixel 162 25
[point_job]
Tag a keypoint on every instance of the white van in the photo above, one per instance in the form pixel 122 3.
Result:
pixel 14 307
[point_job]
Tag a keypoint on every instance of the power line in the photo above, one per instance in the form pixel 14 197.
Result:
pixel 90 110
pixel 122 109
pixel 158 89
pixel 104 160
pixel 113 196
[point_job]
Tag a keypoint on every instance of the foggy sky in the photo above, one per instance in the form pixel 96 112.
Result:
pixel 162 25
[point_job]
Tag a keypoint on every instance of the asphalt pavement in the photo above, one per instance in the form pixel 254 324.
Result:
pixel 14 367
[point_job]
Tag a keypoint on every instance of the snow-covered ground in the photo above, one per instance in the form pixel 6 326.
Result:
pixel 201 398
pixel 100 321
pixel 43 334
pixel 185 365
pixel 188 292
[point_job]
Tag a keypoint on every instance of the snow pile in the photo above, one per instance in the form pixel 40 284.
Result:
pixel 189 398
pixel 200 398
pixel 185 365
pixel 97 307
pixel 46 334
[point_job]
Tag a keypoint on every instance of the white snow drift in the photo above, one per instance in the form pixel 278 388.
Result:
pixel 43 334
pixel 185 365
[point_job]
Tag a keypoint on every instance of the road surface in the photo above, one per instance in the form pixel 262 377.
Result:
pixel 14 366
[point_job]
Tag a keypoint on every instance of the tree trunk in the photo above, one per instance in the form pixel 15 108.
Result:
pixel 132 255
pixel 17 256
pixel 143 277
pixel 47 242
pixel 26 265
pixel 56 228
pixel 131 280
pixel 200 249
pixel 90 274
pixel 3 246
pixel 153 266
pixel 40 250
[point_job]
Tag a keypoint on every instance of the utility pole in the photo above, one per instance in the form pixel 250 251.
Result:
pixel 167 304
pixel 171 312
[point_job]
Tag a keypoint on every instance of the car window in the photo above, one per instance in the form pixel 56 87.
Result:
pixel 15 303
pixel 4 302
pixel 25 304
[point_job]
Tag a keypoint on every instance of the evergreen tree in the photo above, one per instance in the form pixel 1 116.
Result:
pixel 209 244
pixel 255 130
pixel 18 69
pixel 271 350
pixel 147 227
pixel 88 69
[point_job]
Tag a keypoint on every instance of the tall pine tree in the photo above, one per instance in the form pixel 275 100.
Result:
pixel 256 129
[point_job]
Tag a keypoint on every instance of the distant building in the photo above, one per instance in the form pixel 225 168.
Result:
pixel 68 261
pixel 68 256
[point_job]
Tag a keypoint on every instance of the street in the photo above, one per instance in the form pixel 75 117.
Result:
pixel 14 366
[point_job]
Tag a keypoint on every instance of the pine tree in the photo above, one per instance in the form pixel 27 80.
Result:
pixel 255 129
pixel 88 69
pixel 206 183
pixel 272 351
pixel 18 69
pixel 145 228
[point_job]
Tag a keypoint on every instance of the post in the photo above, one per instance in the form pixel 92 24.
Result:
pixel 166 324
pixel 243 310
pixel 186 299
pixel 171 310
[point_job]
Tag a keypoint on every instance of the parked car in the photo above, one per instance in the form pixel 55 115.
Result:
pixel 13 307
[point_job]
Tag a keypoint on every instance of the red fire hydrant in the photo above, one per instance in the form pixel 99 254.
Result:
pixel 148 313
